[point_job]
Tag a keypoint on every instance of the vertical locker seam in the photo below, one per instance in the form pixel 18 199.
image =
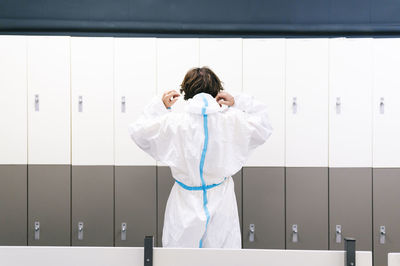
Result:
pixel 242 175
pixel 284 142
pixel 329 177
pixel 372 147
pixel 27 143
pixel 70 136
pixel 156 87
pixel 113 108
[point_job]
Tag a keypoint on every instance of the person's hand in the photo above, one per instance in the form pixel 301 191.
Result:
pixel 170 97
pixel 225 98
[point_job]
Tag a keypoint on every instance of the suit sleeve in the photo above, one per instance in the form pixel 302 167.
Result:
pixel 150 130
pixel 255 119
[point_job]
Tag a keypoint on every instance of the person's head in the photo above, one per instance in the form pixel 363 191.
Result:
pixel 199 80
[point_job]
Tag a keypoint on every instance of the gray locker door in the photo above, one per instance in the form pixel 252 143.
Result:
pixel 307 207
pixel 238 180
pixel 165 181
pixel 135 204
pixel 350 206
pixel 386 206
pixel 13 205
pixel 49 194
pixel 264 207
pixel 93 204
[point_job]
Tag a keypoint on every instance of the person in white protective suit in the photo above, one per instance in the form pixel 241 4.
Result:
pixel 204 146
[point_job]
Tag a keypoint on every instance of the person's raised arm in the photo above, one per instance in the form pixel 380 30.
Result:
pixel 149 130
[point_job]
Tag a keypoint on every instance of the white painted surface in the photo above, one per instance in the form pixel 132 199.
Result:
pixel 224 57
pixel 105 256
pixel 175 57
pixel 264 78
pixel 13 100
pixel 49 78
pixel 386 85
pixel 350 131
pixel 135 80
pixel 92 70
pixel 307 81
pixel 393 259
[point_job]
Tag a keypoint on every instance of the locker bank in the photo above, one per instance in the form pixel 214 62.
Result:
pixel 75 189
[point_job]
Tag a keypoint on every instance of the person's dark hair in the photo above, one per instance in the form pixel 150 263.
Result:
pixel 199 80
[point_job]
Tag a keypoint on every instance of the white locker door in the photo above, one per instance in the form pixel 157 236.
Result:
pixel 175 57
pixel 386 109
pixel 350 97
pixel 92 62
pixel 135 86
pixel 307 102
pixel 264 78
pixel 224 57
pixel 49 100
pixel 13 100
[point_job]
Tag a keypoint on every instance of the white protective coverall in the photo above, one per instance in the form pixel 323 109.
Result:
pixel 204 146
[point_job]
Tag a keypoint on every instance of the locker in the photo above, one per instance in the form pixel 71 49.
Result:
pixel 92 221
pixel 13 100
pixel 49 100
pixel 307 208
pixel 174 58
pixel 224 57
pixel 135 86
pixel 264 207
pixel 165 181
pixel 385 108
pixel 350 207
pixel 306 102
pixel 92 101
pixel 350 97
pixel 135 204
pixel 13 207
pixel 264 78
pixel 386 235
pixel 49 205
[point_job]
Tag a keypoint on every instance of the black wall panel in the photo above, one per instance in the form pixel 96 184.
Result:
pixel 237 17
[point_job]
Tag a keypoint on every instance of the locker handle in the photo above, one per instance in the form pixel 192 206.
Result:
pixel 338 105
pixel 294 105
pixel 123 231
pixel 37 230
pixel 382 237
pixel 36 102
pixel 338 233
pixel 382 105
pixel 80 104
pixel 252 229
pixel 123 104
pixel 295 237
pixel 80 231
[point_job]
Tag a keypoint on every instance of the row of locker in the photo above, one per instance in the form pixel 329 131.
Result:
pixel 69 100
pixel 293 208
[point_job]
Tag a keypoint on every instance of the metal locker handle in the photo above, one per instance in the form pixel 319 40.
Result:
pixel 382 106
pixel 295 237
pixel 80 104
pixel 123 104
pixel 382 234
pixel 294 105
pixel 123 231
pixel 338 233
pixel 252 229
pixel 37 230
pixel 338 105
pixel 36 102
pixel 80 231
